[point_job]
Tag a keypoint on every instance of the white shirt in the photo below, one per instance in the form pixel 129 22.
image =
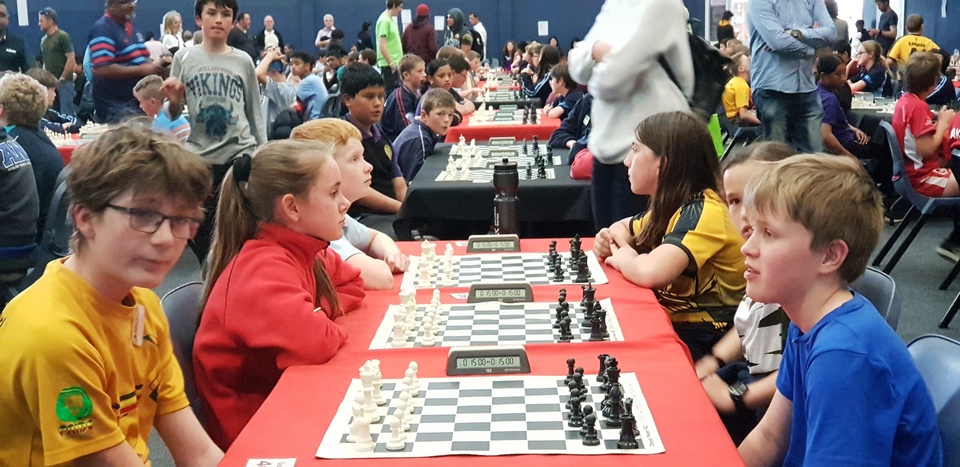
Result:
pixel 270 39
pixel 324 33
pixel 483 35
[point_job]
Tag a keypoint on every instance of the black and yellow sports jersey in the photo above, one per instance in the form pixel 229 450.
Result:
pixel 711 287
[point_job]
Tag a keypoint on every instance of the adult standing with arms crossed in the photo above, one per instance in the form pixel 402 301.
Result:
pixel 784 36
pixel 628 85
pixel 389 48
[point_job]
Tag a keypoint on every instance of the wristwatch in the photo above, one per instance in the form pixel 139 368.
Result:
pixel 737 391
pixel 796 34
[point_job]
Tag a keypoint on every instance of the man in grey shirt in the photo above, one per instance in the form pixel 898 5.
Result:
pixel 784 36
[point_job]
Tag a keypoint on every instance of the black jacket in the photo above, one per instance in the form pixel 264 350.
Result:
pixel 259 40
pixel 576 127
pixel 242 41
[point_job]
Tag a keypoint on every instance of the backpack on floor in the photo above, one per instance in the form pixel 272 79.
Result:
pixel 710 76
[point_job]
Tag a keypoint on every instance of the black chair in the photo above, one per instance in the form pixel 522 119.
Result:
pixel 938 359
pixel 735 134
pixel 333 107
pixel 182 307
pixel 882 292
pixel 15 263
pixel 55 240
pixel 921 207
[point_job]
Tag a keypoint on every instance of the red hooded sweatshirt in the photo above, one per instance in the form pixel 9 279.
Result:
pixel 261 318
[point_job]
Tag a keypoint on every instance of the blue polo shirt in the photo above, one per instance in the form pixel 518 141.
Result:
pixel 378 151
pixel 114 43
pixel 414 145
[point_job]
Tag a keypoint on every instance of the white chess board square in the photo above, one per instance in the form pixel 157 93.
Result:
pixel 508 408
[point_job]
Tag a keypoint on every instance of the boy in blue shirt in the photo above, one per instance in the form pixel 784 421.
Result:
pixel 310 90
pixel 848 392
pixel 148 92
pixel 398 111
pixel 416 142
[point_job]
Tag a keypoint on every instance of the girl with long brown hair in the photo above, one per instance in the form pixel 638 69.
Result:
pixel 685 247
pixel 273 290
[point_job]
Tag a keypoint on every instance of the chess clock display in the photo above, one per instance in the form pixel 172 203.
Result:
pixel 504 292
pixel 493 243
pixel 502 141
pixel 487 360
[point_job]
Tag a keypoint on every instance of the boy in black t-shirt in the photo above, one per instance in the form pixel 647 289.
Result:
pixel 363 94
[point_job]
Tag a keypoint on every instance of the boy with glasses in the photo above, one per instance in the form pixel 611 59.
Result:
pixel 88 365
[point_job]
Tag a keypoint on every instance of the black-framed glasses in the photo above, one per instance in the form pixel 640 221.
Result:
pixel 149 222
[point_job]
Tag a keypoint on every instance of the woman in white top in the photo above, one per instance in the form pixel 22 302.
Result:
pixel 172 30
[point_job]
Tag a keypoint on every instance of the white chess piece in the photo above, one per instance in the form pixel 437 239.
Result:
pixel 396 442
pixel 357 410
pixel 364 442
pixel 448 251
pixel 399 334
pixel 377 395
pixel 369 406
pixel 407 403
pixel 414 383
pixel 402 415
pixel 428 339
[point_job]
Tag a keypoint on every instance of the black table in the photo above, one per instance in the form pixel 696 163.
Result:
pixel 462 207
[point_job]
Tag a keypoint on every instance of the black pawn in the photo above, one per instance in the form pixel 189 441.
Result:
pixel 558 272
pixel 628 437
pixel 549 155
pixel 565 334
pixel 572 386
pixel 536 141
pixel 576 415
pixel 578 379
pixel 590 437
pixel 529 171
pixel 553 245
pixel 570 363
pixel 559 316
pixel 587 411
pixel 525 146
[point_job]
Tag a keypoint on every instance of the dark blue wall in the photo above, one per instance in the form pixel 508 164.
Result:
pixel 299 20
pixel 943 31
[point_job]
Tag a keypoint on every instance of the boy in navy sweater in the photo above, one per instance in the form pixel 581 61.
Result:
pixel 416 142
pixel 398 111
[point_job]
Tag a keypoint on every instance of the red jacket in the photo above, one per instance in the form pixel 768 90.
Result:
pixel 260 319
pixel 420 39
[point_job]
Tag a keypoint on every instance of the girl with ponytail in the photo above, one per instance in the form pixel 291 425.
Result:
pixel 273 290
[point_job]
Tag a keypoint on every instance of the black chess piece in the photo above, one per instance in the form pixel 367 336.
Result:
pixel 590 437
pixel 565 334
pixel 595 333
pixel 572 386
pixel 541 173
pixel 524 146
pixel 587 309
pixel 536 140
pixel 587 411
pixel 603 367
pixel 582 273
pixel 578 379
pixel 550 155
pixel 628 437
pixel 558 317
pixel 570 363
pixel 615 406
pixel 601 315
pixel 576 415
pixel 582 263
pixel 588 293
pixel 529 171
pixel 558 272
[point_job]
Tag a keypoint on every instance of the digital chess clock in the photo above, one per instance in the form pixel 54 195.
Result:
pixel 503 153
pixel 502 141
pixel 493 243
pixel 504 292
pixel 487 360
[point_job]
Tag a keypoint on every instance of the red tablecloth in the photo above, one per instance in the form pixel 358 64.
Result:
pixel 66 152
pixel 542 129
pixel 292 421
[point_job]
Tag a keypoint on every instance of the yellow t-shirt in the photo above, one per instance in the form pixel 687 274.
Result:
pixel 909 44
pixel 736 95
pixel 712 286
pixel 72 382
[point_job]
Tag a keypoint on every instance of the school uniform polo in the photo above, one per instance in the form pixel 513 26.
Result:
pixel 13 54
pixel 377 151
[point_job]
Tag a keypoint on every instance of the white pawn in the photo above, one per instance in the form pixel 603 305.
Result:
pixel 406 402
pixel 401 413
pixel 357 414
pixel 396 442
pixel 448 251
pixel 399 334
pixel 414 382
pixel 428 339
pixel 364 442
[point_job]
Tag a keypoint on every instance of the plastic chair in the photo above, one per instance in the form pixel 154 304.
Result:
pixel 332 108
pixel 55 240
pixel 735 133
pixel 938 359
pixel 919 204
pixel 182 307
pixel 882 292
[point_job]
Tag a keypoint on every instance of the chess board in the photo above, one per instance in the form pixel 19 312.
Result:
pixel 483 150
pixel 497 268
pixel 491 416
pixel 486 175
pixel 495 323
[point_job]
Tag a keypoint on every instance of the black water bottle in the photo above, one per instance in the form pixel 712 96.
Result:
pixel 505 183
